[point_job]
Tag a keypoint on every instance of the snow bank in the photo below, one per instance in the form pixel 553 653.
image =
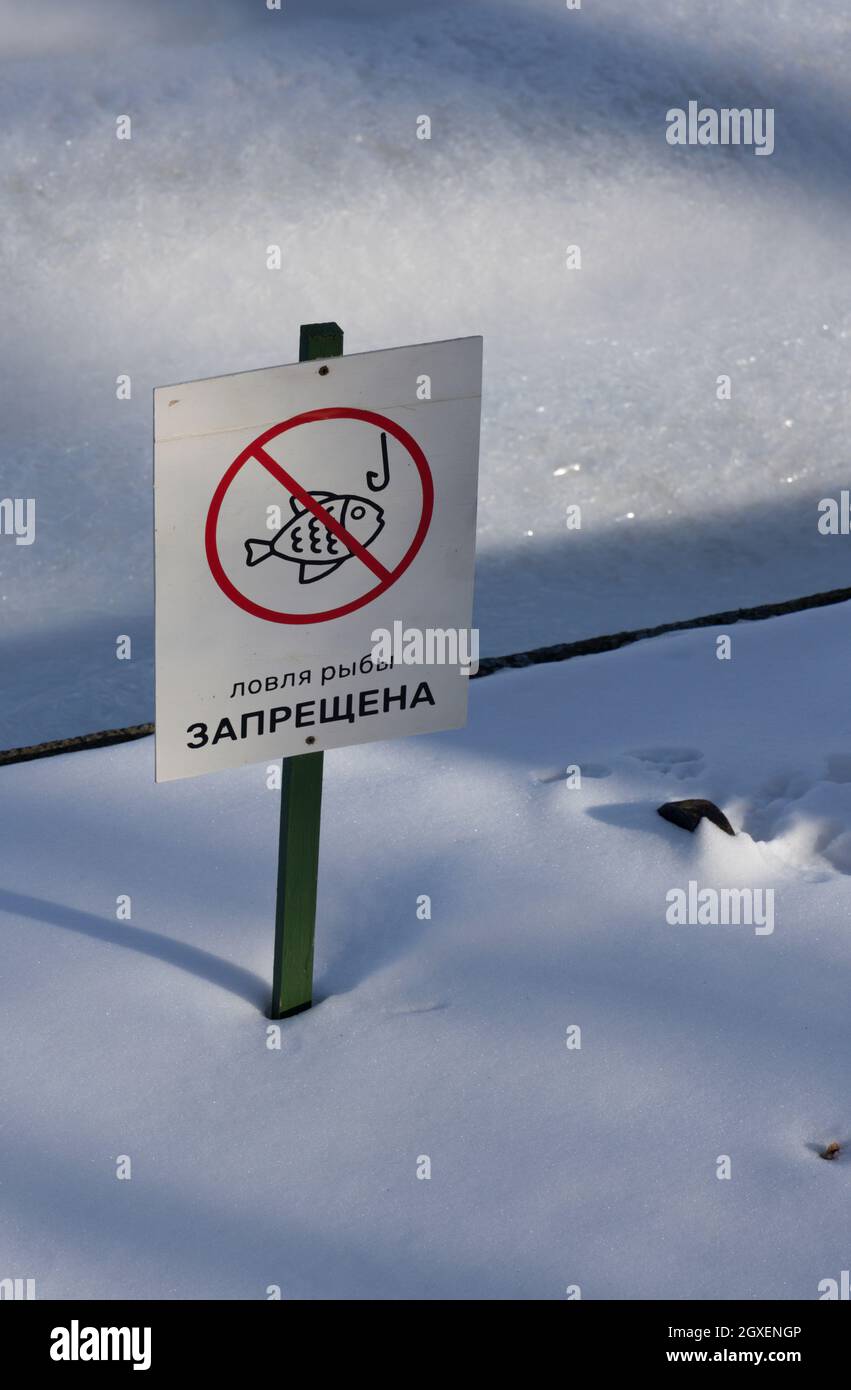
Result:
pixel 446 1037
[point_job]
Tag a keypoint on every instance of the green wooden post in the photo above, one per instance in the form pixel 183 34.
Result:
pixel 301 806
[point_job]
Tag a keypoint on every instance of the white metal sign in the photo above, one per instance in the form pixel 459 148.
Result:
pixel 299 511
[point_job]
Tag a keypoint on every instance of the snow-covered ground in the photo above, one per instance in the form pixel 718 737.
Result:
pixel 298 128
pixel 550 1166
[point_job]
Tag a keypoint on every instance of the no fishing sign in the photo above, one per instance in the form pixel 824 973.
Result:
pixel 298 511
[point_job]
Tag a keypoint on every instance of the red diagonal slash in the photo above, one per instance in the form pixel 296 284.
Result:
pixel 350 542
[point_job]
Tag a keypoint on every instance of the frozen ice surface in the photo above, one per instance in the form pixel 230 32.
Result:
pixel 297 128
pixel 446 1037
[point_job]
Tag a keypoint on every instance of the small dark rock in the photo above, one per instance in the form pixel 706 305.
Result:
pixel 832 1151
pixel 688 814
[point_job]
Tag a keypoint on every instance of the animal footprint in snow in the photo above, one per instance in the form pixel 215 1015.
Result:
pixel 671 762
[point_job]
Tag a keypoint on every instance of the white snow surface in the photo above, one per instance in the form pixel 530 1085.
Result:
pixel 446 1038
pixel 297 128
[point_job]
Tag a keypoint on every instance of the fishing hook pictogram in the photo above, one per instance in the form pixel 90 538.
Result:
pixel 385 479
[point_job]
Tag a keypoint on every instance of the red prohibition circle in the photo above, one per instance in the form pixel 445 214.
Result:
pixel 308 417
